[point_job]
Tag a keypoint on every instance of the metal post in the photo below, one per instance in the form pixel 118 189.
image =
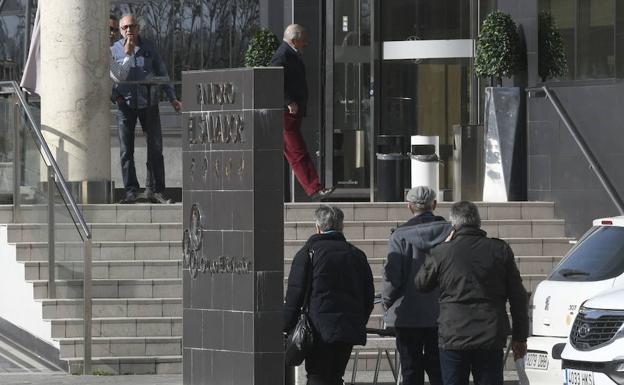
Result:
pixel 51 238
pixel 87 308
pixel 17 175
pixel 27 19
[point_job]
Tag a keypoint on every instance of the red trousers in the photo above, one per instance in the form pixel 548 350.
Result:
pixel 297 155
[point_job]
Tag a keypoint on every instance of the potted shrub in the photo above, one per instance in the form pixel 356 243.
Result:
pixel 261 48
pixel 551 55
pixel 499 54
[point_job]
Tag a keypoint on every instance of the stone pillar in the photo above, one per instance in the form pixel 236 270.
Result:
pixel 233 274
pixel 75 87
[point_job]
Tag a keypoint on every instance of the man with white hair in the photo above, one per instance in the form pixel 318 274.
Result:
pixel 140 102
pixel 288 55
pixel 413 315
pixel 476 276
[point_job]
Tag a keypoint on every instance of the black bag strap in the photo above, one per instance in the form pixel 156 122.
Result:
pixel 308 292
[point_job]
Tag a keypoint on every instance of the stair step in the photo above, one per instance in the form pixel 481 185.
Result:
pixel 378 248
pixel 157 269
pixel 382 229
pixel 526 264
pixel 119 327
pixel 122 346
pixel 33 232
pixel 113 288
pixel 102 251
pixel 104 213
pixel 296 212
pixel 130 365
pixel 113 307
pixel 530 281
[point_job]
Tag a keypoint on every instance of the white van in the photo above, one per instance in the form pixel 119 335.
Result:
pixel 594 354
pixel 595 264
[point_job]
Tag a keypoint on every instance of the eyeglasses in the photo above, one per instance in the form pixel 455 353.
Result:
pixel 129 26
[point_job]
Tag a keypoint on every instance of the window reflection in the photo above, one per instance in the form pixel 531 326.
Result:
pixel 198 34
pixel 588 31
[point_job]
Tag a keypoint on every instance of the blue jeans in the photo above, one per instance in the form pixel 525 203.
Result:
pixel 150 122
pixel 486 366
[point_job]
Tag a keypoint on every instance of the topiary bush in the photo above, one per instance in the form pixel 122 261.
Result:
pixel 551 54
pixel 498 51
pixel 261 48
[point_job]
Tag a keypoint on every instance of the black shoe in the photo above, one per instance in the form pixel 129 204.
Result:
pixel 130 198
pixel 323 193
pixel 158 198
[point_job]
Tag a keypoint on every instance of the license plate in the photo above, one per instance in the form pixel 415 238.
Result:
pixel 537 361
pixel 578 377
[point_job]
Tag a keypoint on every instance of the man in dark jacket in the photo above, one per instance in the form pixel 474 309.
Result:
pixel 288 55
pixel 412 314
pixel 341 298
pixel 476 276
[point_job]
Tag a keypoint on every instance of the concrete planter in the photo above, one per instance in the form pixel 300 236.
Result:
pixel 502 144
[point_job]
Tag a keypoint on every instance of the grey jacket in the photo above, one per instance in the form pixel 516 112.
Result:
pixel 407 248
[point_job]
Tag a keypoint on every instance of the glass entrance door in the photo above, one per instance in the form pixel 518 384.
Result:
pixel 348 96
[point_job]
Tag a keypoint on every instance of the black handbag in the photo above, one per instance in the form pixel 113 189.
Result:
pixel 301 339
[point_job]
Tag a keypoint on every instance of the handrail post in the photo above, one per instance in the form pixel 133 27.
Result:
pixel 17 169
pixel 51 237
pixel 87 305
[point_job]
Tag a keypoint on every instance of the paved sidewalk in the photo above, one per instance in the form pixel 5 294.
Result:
pixel 68 379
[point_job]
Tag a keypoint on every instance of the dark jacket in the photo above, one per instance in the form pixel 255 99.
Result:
pixel 476 275
pixel 295 85
pixel 407 248
pixel 342 293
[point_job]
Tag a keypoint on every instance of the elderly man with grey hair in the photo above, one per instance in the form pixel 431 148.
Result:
pixel 412 314
pixel 476 276
pixel 290 56
pixel 340 297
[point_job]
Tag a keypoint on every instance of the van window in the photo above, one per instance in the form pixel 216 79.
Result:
pixel 598 256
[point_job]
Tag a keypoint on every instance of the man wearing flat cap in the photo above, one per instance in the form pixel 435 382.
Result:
pixel 413 315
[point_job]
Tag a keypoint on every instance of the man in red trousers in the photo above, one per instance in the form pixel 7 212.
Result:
pixel 288 55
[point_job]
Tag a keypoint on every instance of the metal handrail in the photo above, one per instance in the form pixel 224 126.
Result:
pixel 55 177
pixel 589 155
pixel 50 159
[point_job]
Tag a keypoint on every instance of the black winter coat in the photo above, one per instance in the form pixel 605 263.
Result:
pixel 342 294
pixel 476 275
pixel 295 85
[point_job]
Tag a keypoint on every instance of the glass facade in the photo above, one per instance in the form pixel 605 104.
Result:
pixel 589 28
pixel 12 31
pixel 197 34
pixel 351 121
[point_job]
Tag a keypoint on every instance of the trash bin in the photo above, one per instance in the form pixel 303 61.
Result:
pixel 390 169
pixel 425 162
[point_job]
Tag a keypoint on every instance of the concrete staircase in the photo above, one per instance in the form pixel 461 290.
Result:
pixel 137 287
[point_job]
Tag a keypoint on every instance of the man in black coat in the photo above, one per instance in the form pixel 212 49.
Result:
pixel 412 314
pixel 341 297
pixel 476 276
pixel 288 55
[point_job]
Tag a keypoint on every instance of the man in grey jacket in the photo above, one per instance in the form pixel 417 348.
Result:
pixel 413 315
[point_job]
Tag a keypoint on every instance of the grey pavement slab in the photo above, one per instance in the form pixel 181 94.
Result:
pixel 68 379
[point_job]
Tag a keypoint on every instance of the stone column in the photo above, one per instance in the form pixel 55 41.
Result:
pixel 75 87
